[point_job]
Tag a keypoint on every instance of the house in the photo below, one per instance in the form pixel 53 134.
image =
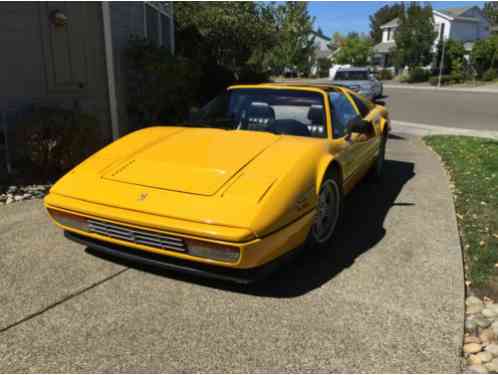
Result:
pixel 72 54
pixel 464 24
pixel 321 49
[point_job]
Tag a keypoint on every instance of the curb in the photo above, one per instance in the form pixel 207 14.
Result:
pixel 426 129
pixel 447 89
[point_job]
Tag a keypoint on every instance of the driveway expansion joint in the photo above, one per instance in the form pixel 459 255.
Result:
pixel 63 300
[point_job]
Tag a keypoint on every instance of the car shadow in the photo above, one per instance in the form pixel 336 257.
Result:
pixel 361 228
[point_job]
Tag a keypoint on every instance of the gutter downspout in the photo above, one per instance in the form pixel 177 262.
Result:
pixel 109 60
pixel 172 27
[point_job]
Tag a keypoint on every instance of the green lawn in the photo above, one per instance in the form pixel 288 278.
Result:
pixel 473 166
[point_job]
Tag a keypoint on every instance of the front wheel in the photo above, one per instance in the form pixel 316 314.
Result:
pixel 328 210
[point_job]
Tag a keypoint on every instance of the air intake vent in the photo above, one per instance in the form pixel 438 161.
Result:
pixel 138 236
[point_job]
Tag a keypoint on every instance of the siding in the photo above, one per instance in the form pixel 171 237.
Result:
pixel 43 66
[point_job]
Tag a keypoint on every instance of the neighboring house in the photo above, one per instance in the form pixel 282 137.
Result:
pixel 464 24
pixel 321 49
pixel 72 54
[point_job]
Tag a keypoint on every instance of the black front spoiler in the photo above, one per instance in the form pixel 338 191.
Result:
pixel 239 276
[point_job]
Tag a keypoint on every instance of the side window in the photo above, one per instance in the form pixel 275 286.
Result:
pixel 361 105
pixel 342 112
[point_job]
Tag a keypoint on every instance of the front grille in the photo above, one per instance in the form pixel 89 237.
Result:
pixel 138 236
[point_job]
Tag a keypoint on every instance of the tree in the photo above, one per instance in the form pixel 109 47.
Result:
pixel 228 32
pixel 485 54
pixel 295 43
pixel 490 10
pixel 383 15
pixel 454 53
pixel 354 50
pixel 415 36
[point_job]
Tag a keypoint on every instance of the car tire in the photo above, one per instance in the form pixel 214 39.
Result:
pixel 329 210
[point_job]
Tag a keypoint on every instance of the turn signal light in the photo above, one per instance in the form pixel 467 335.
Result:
pixel 213 251
pixel 69 220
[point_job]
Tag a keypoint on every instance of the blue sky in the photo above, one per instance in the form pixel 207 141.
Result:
pixel 347 16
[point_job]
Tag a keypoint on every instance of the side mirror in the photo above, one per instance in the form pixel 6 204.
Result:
pixel 358 125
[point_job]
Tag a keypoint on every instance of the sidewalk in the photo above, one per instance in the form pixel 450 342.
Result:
pixel 426 129
pixel 491 88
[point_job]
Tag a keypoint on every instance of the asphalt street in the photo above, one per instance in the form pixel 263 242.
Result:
pixel 462 110
pixel 387 296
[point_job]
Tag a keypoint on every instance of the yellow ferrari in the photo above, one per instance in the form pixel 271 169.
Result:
pixel 256 173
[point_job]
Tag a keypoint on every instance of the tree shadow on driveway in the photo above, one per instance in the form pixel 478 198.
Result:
pixel 361 228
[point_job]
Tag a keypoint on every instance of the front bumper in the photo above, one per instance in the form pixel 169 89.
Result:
pixel 239 276
pixel 254 252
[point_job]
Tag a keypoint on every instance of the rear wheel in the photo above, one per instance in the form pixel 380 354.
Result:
pixel 328 210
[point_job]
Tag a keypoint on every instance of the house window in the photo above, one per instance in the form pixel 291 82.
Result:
pixel 157 17
pixel 441 32
pixel 388 34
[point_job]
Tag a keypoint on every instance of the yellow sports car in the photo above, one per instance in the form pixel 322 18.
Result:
pixel 256 173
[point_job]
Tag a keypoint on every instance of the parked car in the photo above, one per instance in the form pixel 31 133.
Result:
pixel 361 81
pixel 291 72
pixel 262 171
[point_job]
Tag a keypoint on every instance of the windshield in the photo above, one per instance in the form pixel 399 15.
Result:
pixel 277 111
pixel 351 75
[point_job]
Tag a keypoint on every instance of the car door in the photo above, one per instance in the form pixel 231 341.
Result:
pixel 342 111
pixel 367 111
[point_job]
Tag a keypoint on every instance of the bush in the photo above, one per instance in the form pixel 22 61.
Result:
pixel 56 140
pixel 445 80
pixel 418 75
pixel 161 87
pixel 489 75
pixel 484 54
pixel 385 75
pixel 253 74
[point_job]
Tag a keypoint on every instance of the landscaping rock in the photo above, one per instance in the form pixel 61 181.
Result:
pixel 474 360
pixel 485 356
pixel 471 339
pixel 476 369
pixel 487 336
pixel 489 313
pixel 472 348
pixel 470 325
pixel 493 349
pixel 473 300
pixel 494 327
pixel 492 366
pixel 482 322
pixel 21 193
pixel 474 309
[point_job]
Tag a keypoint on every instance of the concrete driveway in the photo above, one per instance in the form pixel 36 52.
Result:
pixel 386 297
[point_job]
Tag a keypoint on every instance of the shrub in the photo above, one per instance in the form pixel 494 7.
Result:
pixel 253 74
pixel 55 140
pixel 385 75
pixel 161 87
pixel 489 75
pixel 484 54
pixel 445 80
pixel 418 75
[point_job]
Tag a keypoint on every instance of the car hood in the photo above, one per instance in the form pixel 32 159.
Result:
pixel 239 179
pixel 196 161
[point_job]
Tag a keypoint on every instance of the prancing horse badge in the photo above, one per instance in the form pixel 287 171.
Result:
pixel 142 196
